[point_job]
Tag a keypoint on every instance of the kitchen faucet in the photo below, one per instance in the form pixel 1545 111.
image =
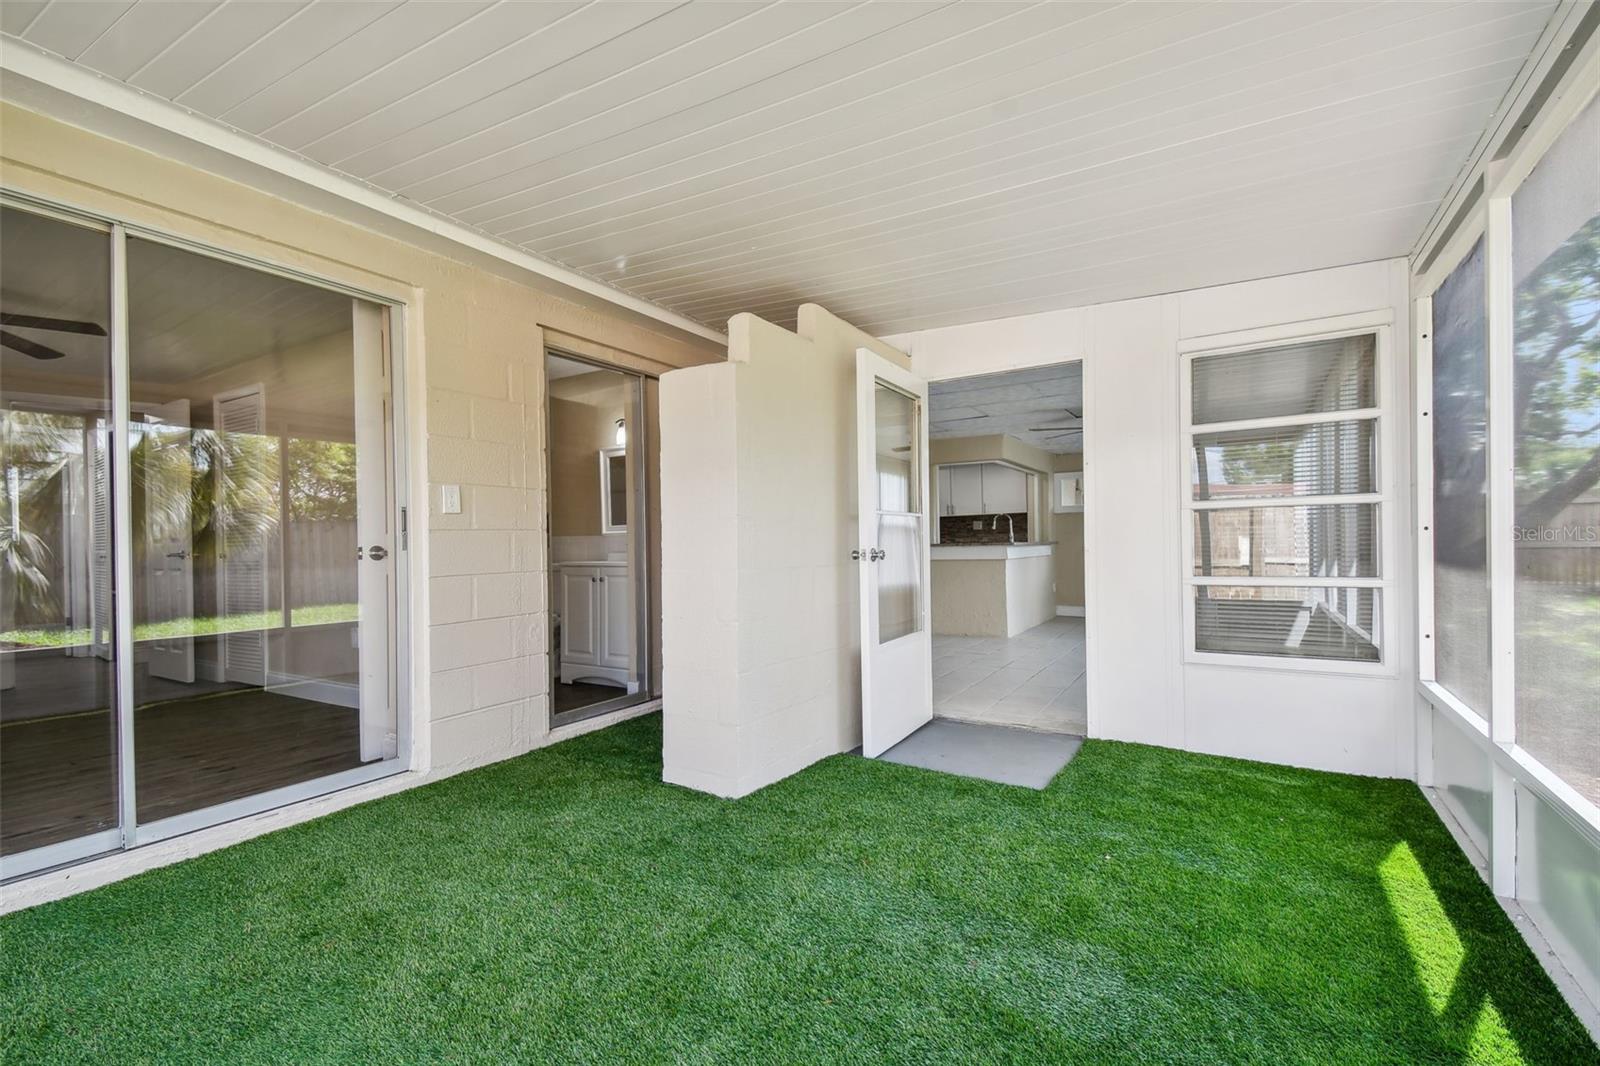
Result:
pixel 1011 538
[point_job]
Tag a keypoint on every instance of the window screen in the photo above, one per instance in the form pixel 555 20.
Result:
pixel 1460 416
pixel 1555 225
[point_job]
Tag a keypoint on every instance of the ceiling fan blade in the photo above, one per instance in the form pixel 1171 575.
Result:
pixel 27 347
pixel 58 325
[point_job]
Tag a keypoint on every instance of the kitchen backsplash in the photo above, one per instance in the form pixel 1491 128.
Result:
pixel 958 529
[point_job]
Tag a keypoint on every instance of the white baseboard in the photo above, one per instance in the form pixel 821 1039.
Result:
pixel 1066 611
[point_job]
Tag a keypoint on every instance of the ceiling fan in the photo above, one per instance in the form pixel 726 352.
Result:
pixel 54 325
pixel 1075 417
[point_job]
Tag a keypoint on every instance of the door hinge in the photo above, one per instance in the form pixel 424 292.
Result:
pixel 404 539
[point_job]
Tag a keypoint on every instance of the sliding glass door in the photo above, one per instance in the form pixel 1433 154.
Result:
pixel 58 723
pixel 257 524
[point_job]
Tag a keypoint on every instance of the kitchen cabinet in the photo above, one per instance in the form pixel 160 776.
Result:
pixel 597 624
pixel 982 489
pixel 966 489
pixel 1005 489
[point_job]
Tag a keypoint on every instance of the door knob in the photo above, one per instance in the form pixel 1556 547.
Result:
pixel 876 554
pixel 377 552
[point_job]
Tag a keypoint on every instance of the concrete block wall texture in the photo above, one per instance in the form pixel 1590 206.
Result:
pixel 473 347
pixel 760 639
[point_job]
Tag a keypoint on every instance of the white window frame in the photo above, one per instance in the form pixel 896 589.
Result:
pixel 1490 219
pixel 1379 325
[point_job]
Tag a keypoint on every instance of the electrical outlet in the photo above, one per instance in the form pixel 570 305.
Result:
pixel 978 524
pixel 449 499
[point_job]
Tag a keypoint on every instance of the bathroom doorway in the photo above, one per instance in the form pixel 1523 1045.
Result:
pixel 599 644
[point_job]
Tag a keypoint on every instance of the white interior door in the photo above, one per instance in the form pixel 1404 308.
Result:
pixel 375 574
pixel 169 541
pixel 892 539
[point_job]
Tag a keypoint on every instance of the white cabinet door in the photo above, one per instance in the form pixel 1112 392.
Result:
pixel 944 491
pixel 1005 489
pixel 579 605
pixel 966 489
pixel 616 618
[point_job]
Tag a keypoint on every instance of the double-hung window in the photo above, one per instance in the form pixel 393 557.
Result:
pixel 1283 506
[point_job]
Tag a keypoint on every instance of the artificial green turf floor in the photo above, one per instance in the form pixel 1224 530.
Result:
pixel 1149 907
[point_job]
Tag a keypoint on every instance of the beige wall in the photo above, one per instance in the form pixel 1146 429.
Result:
pixel 969 598
pixel 760 640
pixel 1068 532
pixel 583 415
pixel 990 448
pixel 474 394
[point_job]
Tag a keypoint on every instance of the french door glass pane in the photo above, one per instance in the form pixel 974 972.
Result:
pixel 1460 495
pixel 58 753
pixel 1304 623
pixel 1556 254
pixel 898 572
pixel 262 560
pixel 1293 379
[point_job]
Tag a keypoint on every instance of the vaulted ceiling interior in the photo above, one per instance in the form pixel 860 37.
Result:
pixel 907 165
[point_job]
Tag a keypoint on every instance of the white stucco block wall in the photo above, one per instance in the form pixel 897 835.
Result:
pixel 759 638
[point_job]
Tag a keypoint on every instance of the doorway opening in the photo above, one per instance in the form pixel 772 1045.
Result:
pixel 598 544
pixel 1006 453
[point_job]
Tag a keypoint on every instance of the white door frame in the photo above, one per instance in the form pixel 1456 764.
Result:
pixel 1090 591
pixel 896 676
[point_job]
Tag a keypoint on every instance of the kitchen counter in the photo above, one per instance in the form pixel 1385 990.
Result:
pixel 992 590
pixel 991 551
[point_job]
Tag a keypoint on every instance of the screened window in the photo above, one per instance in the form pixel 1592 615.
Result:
pixel 1284 501
pixel 1460 485
pixel 1556 439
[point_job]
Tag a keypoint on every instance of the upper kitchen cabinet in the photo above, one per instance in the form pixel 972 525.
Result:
pixel 982 488
pixel 966 489
pixel 1005 489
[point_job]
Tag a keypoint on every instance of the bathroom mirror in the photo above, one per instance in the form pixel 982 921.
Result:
pixel 613 490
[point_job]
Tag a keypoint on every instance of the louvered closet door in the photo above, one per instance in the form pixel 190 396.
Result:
pixel 242 479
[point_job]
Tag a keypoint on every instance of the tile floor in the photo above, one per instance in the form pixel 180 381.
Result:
pixel 1034 680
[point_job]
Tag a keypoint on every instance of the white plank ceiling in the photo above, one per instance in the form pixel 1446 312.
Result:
pixel 908 165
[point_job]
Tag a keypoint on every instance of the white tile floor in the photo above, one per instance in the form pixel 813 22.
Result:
pixel 1034 680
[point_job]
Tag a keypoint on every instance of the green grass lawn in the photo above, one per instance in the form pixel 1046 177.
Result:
pixel 321 614
pixel 1149 907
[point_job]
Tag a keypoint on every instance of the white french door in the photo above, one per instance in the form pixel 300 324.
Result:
pixel 892 553
pixel 375 567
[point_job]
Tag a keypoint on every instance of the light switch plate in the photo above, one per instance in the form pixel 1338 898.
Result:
pixel 449 499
